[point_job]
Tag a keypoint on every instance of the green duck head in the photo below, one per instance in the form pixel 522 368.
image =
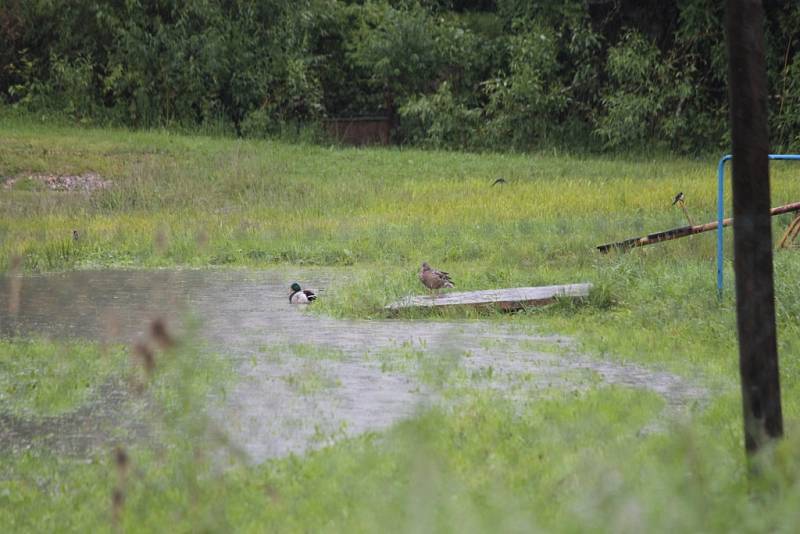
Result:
pixel 295 287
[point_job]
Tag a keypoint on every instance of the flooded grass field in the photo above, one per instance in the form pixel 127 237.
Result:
pixel 300 378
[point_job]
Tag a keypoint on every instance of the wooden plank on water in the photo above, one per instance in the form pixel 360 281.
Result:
pixel 508 299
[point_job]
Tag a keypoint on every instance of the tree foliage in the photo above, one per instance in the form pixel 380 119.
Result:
pixel 459 73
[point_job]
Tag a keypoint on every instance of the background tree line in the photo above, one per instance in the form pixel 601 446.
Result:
pixel 473 74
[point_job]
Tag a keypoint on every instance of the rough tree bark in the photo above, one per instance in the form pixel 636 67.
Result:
pixel 755 294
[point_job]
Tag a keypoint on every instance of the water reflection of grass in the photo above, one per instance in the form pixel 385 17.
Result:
pixel 310 379
pixel 404 358
pixel 317 352
pixel 442 370
pixel 303 351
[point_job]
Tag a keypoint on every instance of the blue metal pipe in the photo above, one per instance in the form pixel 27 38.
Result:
pixel 721 208
pixel 720 217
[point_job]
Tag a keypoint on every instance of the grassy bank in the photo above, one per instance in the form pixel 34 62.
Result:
pixel 570 460
pixel 180 200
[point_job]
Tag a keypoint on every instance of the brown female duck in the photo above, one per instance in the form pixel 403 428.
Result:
pixel 433 279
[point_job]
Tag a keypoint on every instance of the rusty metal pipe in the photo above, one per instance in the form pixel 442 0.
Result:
pixel 684 231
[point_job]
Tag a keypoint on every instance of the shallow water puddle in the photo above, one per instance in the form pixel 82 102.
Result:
pixel 304 379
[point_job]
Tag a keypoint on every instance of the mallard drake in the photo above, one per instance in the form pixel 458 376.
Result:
pixel 301 296
pixel 433 279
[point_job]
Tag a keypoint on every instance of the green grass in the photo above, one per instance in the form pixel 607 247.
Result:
pixel 573 462
pixel 43 377
pixel 199 201
pixel 567 461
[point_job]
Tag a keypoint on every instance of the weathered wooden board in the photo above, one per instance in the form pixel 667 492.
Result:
pixel 508 299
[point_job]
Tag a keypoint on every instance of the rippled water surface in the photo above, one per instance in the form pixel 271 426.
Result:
pixel 303 379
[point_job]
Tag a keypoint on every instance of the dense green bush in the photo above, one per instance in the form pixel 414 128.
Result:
pixel 441 121
pixel 163 62
pixel 786 123
pixel 530 98
pixel 634 99
pixel 466 74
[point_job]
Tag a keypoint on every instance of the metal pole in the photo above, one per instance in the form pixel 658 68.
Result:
pixel 720 218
